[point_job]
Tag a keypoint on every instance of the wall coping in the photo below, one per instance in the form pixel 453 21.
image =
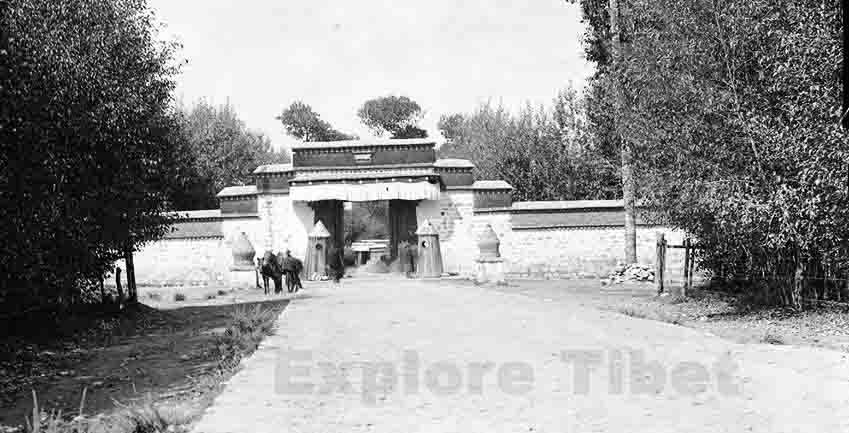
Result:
pixel 549 227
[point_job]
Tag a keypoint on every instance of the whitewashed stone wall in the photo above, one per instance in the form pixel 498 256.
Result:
pixel 456 231
pixel 182 262
pixel 584 252
pixel 284 224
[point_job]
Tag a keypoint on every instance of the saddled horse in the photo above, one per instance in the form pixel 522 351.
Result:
pixel 270 269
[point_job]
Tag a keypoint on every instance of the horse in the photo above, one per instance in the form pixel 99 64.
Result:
pixel 270 269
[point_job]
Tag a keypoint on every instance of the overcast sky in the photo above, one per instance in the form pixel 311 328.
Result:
pixel 448 55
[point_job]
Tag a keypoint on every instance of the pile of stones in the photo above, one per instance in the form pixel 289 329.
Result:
pixel 634 272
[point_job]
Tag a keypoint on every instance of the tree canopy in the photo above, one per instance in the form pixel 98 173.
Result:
pixel 91 146
pixel 736 109
pixel 396 116
pixel 222 152
pixel 301 122
pixel 545 153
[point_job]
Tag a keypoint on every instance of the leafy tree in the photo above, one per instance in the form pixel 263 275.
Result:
pixel 737 125
pixel 223 151
pixel 397 116
pixel 544 153
pixel 90 144
pixel 303 123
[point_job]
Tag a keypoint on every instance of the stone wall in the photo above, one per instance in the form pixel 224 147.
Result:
pixel 538 239
pixel 284 224
pixel 584 251
pixel 189 261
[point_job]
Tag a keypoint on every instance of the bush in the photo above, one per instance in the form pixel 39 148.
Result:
pixel 179 297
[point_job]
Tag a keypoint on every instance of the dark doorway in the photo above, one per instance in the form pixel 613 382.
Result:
pixel 402 223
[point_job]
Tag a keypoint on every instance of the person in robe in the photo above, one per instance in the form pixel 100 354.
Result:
pixel 335 265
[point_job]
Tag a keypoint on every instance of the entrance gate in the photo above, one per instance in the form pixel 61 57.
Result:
pixel 402 221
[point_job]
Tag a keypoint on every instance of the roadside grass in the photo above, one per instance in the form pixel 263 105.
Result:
pixel 151 370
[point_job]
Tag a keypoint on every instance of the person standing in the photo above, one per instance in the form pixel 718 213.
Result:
pixel 335 266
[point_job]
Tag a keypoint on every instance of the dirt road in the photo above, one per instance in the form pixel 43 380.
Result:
pixel 412 356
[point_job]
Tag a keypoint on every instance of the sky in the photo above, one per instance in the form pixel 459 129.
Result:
pixel 447 55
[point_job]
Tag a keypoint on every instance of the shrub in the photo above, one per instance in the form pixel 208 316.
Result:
pixel 179 297
pixel 211 296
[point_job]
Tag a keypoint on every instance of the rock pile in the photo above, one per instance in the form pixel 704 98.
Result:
pixel 634 272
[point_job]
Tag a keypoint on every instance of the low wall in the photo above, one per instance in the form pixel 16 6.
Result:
pixel 191 261
pixel 554 240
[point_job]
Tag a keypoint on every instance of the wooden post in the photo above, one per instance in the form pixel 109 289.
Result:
pixel 118 285
pixel 660 262
pixel 132 294
pixel 687 258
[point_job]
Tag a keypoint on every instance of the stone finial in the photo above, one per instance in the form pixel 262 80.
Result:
pixel 488 243
pixel 243 251
pixel 319 231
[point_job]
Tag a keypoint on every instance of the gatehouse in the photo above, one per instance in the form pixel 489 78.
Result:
pixel 283 204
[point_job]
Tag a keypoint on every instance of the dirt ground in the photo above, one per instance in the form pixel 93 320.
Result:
pixel 162 349
pixel 825 326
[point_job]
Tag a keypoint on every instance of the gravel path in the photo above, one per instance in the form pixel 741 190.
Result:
pixel 410 356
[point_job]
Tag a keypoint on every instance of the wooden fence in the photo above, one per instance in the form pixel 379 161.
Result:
pixel 689 263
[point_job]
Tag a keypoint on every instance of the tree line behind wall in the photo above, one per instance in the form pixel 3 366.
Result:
pixel 545 153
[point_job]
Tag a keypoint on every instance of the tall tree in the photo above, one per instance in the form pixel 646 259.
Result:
pixel 301 122
pixel 90 142
pixel 737 136
pixel 223 150
pixel 397 116
pixel 629 187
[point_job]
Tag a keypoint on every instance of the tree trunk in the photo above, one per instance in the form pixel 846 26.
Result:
pixel 628 181
pixel 844 14
pixel 132 295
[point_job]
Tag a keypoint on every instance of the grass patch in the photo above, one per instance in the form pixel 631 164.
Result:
pixel 154 296
pixel 248 326
pixel 222 292
pixel 145 417
pixel 180 344
pixel 179 297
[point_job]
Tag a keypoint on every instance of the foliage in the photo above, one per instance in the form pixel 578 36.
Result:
pixel 368 220
pixel 222 152
pixel 736 108
pixel 545 154
pixel 90 146
pixel 247 329
pixel 397 116
pixel 303 123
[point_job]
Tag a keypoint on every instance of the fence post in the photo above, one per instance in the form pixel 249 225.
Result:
pixel 660 262
pixel 687 258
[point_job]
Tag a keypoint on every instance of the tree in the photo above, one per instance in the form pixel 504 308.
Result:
pixel 303 123
pixel 737 136
pixel 223 152
pixel 90 143
pixel 397 116
pixel 544 153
